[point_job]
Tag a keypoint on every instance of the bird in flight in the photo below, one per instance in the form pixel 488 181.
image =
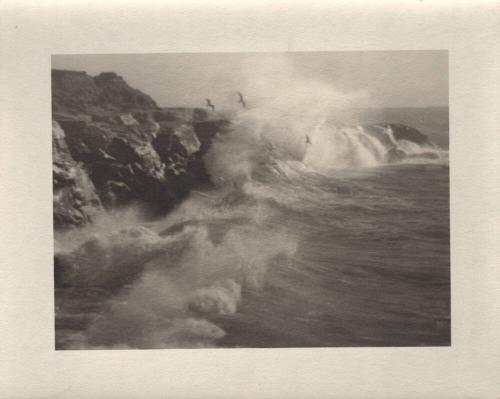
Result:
pixel 209 104
pixel 242 102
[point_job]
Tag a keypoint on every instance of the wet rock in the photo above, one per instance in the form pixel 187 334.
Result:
pixel 118 143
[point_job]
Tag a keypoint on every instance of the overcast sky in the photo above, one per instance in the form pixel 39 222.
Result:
pixel 383 78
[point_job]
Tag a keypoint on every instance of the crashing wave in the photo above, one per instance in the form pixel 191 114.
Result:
pixel 162 290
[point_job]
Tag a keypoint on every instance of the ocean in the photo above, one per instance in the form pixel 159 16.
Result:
pixel 308 238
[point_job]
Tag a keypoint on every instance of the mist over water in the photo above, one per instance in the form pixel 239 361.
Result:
pixel 298 244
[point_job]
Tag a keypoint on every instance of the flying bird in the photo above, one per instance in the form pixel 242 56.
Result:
pixel 242 102
pixel 209 104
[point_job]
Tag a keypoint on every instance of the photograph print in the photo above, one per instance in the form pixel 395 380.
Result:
pixel 251 200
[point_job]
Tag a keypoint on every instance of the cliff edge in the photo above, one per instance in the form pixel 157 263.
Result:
pixel 114 146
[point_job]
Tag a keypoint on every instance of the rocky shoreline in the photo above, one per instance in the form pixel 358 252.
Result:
pixel 113 146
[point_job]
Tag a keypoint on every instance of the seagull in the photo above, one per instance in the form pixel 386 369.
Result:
pixel 209 104
pixel 242 102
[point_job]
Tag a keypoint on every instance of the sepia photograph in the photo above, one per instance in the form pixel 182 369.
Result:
pixel 251 200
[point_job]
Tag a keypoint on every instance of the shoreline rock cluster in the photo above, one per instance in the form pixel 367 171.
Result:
pixel 113 146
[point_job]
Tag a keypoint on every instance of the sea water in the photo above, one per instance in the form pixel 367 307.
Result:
pixel 297 245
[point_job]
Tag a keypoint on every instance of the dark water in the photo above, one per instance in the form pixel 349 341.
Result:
pixel 372 267
pixel 335 249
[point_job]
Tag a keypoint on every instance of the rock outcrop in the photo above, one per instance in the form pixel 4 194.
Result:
pixel 393 136
pixel 78 93
pixel 399 132
pixel 113 146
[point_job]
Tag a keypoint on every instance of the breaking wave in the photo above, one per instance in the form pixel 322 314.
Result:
pixel 163 288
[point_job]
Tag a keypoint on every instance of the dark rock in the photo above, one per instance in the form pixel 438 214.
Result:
pixel 206 131
pixel 126 149
pixel 115 194
pixel 119 95
pixel 86 142
pixel 73 92
pixel 78 93
pixel 123 151
pixel 399 132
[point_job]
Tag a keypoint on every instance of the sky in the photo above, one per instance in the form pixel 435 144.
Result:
pixel 369 78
